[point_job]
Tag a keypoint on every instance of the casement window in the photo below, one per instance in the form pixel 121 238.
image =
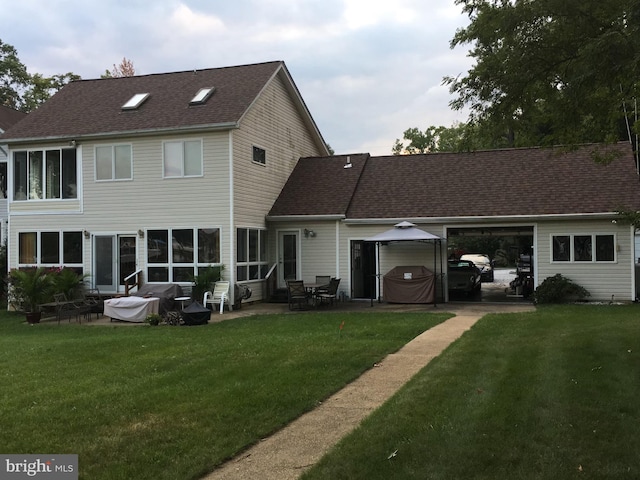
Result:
pixel 251 258
pixel 583 248
pixel 259 155
pixel 52 249
pixel 182 159
pixel 176 254
pixel 45 174
pixel 114 162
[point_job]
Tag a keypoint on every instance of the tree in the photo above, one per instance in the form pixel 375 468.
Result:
pixel 42 88
pixel 13 77
pixel 124 69
pixel 22 91
pixel 458 137
pixel 550 71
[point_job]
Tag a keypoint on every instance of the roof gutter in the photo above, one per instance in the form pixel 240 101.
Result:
pixel 125 133
pixel 504 218
pixel 298 218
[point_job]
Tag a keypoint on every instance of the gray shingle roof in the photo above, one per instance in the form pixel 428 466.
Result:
pixel 320 186
pixel 510 182
pixel 94 107
pixel 9 117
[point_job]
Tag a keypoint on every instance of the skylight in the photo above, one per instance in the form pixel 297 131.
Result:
pixel 135 101
pixel 202 95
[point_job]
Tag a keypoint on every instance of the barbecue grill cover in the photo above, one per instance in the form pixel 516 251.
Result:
pixel 166 292
pixel 415 284
pixel 196 314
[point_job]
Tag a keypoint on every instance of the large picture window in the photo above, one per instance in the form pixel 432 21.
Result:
pixel 114 162
pixel 52 249
pixel 251 254
pixel 580 248
pixel 182 159
pixel 45 174
pixel 176 255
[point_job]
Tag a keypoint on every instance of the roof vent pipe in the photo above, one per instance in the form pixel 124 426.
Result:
pixel 348 164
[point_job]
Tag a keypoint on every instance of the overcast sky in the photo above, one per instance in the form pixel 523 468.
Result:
pixel 367 69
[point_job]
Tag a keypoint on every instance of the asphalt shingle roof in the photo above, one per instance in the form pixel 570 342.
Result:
pixel 320 186
pixel 9 117
pixel 91 107
pixel 509 182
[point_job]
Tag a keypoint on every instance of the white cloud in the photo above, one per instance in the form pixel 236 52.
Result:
pixel 367 69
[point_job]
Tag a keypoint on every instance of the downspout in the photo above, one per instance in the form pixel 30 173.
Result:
pixel 232 266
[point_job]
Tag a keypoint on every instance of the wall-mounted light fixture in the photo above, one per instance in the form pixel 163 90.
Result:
pixel 309 233
pixel 86 233
pixel 73 143
pixel 141 233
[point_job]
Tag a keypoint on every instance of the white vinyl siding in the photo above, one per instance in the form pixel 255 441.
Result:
pixel 602 279
pixel 274 125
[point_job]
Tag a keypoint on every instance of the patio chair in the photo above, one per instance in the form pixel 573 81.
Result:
pixel 93 299
pixel 297 294
pixel 323 280
pixel 219 295
pixel 68 308
pixel 331 294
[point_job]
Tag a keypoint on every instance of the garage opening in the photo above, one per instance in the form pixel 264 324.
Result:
pixel 508 276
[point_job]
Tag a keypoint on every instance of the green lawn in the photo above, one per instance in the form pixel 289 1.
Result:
pixel 553 394
pixel 173 402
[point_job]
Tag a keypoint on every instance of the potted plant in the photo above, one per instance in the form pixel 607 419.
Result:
pixel 204 281
pixel 67 281
pixel 29 288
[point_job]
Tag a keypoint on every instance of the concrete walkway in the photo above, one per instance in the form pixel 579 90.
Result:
pixel 298 446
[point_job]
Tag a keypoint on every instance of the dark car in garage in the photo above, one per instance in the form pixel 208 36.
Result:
pixel 463 277
pixel 483 262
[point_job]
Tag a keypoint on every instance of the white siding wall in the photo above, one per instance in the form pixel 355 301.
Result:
pixel 146 201
pixel 602 280
pixel 275 125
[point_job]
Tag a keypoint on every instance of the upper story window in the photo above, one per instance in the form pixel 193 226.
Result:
pixel 259 155
pixel 583 248
pixel 182 159
pixel 45 174
pixel 114 162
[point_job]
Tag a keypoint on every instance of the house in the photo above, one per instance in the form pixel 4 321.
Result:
pixel 157 175
pixel 8 118
pixel 560 203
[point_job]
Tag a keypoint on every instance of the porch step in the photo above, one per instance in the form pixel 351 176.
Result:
pixel 279 296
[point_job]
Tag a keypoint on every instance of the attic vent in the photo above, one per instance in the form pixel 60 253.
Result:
pixel 202 96
pixel 135 101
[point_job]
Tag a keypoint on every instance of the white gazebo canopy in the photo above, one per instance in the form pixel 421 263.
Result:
pixel 407 232
pixel 403 231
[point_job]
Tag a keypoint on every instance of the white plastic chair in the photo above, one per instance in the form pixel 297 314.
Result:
pixel 219 295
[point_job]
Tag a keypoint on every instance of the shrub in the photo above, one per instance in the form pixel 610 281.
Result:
pixel 559 289
pixel 153 319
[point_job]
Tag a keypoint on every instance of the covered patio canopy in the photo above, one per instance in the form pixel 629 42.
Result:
pixel 407 232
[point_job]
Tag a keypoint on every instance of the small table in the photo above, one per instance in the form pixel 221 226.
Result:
pixel 312 288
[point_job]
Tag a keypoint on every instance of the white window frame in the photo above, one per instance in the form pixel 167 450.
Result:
pixel 113 177
pixel 183 144
pixel 170 264
pixel 260 263
pixel 37 261
pixel 572 252
pixel 44 176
